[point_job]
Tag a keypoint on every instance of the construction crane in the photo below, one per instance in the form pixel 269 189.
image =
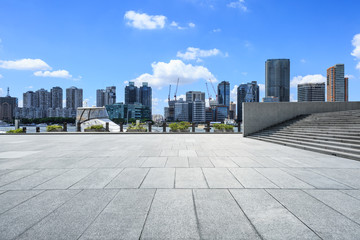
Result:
pixel 212 85
pixel 207 88
pixel 177 84
pixel 169 94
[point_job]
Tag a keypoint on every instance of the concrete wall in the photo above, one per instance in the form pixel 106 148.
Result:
pixel 258 116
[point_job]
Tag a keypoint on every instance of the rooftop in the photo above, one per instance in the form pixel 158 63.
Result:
pixel 167 187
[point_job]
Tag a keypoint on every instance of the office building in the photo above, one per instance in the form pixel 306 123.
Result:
pixel 248 92
pixel 100 98
pixel 145 96
pixel 191 96
pixel 277 79
pixel 131 93
pixel 42 99
pixel 56 97
pixel 221 113
pixel 8 105
pixel 336 84
pixel 198 113
pixel 29 99
pixel 311 92
pixel 181 111
pixel 74 98
pixel 271 99
pixel 232 110
pixel 106 97
pixel 128 111
pixel 224 93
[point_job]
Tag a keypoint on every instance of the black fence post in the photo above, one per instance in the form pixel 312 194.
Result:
pixel 78 127
pixel 193 127
pixel 207 128
pixel 107 127
pixel 65 127
pixel 164 126
pixel 239 127
pixel 149 125
pixel 121 127
pixel 24 129
pixel 37 129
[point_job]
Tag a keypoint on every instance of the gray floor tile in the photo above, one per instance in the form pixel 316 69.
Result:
pixel 15 175
pixel 220 178
pixel 245 162
pixel 177 162
pixel 97 179
pixel 11 199
pixel 220 162
pixel 129 178
pixel 155 162
pixel 353 193
pixel 190 178
pixel 172 216
pixel 202 162
pixel 220 217
pixel 251 178
pixel 159 178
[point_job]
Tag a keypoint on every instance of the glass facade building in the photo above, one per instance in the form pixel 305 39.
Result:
pixel 246 93
pixel 277 79
pixel 224 93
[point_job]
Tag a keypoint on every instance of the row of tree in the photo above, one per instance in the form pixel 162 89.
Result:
pixel 49 120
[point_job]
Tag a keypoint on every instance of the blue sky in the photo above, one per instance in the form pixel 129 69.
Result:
pixel 93 44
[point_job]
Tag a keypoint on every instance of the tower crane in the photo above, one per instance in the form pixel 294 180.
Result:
pixel 207 88
pixel 177 84
pixel 169 94
pixel 212 85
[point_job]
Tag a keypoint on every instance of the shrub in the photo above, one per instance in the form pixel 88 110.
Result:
pixel 15 131
pixel 97 127
pixel 173 126
pixel 220 126
pixel 179 126
pixel 137 127
pixel 53 128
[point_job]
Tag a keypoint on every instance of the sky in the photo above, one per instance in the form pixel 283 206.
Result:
pixel 92 44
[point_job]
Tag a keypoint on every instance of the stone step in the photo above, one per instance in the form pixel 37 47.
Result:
pixel 317 130
pixel 317 145
pixel 311 148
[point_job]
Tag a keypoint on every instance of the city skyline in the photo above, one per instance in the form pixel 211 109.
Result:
pixel 131 48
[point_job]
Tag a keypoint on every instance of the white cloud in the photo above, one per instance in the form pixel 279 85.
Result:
pixel 55 74
pixel 192 25
pixel 20 103
pixel 350 76
pixel 1 76
pixel 155 101
pixel 25 64
pixel 240 4
pixel 356 52
pixel 303 61
pixel 183 96
pixel 144 21
pixel 244 73
pixel 196 53
pixel 292 98
pixel 233 93
pixel 174 24
pixel 317 78
pixel 168 73
pixel 216 30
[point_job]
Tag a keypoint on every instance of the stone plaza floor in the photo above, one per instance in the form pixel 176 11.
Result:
pixel 183 186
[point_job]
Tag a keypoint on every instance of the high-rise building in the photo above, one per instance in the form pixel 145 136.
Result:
pixel 232 110
pixel 182 110
pixel 277 79
pixel 246 93
pixel 100 98
pixel 29 99
pixel 198 113
pixel 74 98
pixel 8 105
pixel 336 84
pixel 110 95
pixel 224 93
pixel 131 93
pixel 221 113
pixel 145 95
pixel 56 94
pixel 311 92
pixel 191 96
pixel 42 99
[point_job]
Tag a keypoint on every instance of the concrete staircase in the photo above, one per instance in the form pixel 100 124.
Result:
pixel 335 133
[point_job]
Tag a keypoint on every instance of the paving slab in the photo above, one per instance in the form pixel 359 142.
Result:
pixel 350 177
pixel 202 162
pixel 269 217
pixel 251 178
pixel 169 153
pixel 124 217
pixel 323 220
pixel 17 220
pixel 220 178
pixel 130 162
pixel 66 180
pixel 15 175
pixel 245 162
pixel 16 154
pixel 171 216
pixel 72 219
pixel 129 178
pixel 11 199
pixel 190 178
pixel 220 217
pixel 159 178
pixel 187 153
pixel 180 162
pixel 222 162
pixel 353 193
pixel 154 162
pixel 97 179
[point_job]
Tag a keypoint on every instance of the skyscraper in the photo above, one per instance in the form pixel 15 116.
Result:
pixel 29 99
pixel 131 94
pixel 7 107
pixel 232 110
pixel 191 96
pixel 198 113
pixel 145 95
pixel 56 97
pixel 42 99
pixel 74 98
pixel 224 93
pixel 336 84
pixel 110 95
pixel 277 79
pixel 181 110
pixel 246 93
pixel 311 92
pixel 100 98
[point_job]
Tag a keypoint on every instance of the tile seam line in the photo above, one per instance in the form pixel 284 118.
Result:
pixel 329 177
pixel 21 177
pixel 330 206
pixel 142 181
pixel 342 190
pixel 79 191
pixel 267 178
pixel 235 177
pixel 147 214
pixel 252 225
pixel 196 215
pixel 88 226
pixel 207 184
pixel 93 170
pixel 281 169
pixel 122 169
pixel 67 170
pixel 293 214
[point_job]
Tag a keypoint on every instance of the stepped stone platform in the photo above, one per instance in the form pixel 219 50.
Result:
pixel 215 186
